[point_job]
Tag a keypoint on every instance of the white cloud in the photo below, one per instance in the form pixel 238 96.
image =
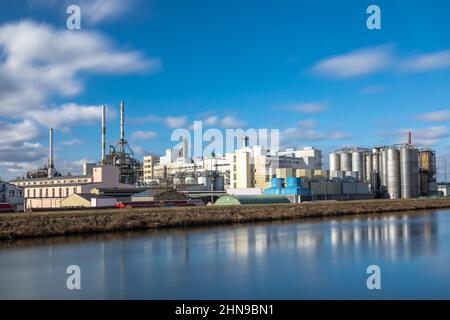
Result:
pixel 308 108
pixel 66 116
pixel 426 62
pixel 72 142
pixel 97 11
pixel 176 122
pixel 435 116
pixel 302 134
pixel 423 136
pixel 40 61
pixel 212 121
pixel 17 133
pixel 374 89
pixel 231 122
pixel 356 63
pixel 308 123
pixel 144 135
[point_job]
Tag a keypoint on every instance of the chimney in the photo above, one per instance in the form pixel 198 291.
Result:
pixel 50 151
pixel 409 138
pixel 103 135
pixel 122 125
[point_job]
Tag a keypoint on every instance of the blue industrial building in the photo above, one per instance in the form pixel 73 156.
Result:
pixel 293 187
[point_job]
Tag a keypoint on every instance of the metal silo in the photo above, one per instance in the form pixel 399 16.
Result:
pixel 409 172
pixel 335 161
pixel 383 167
pixel 346 161
pixel 376 160
pixel 358 163
pixel 393 172
pixel 369 166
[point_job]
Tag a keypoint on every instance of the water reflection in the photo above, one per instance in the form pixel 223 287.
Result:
pixel 170 263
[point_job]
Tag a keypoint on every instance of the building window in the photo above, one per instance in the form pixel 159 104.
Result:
pixel 46 193
pixel 34 193
pixel 74 189
pixel 53 192
pixel 67 192
pixel 11 193
pixel 60 192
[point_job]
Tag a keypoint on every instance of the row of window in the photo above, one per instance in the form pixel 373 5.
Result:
pixel 52 193
pixel 52 182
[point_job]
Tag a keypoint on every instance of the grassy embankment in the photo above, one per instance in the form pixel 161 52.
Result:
pixel 43 224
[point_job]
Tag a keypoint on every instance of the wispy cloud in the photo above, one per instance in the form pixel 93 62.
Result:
pixel 144 135
pixel 66 116
pixel 427 62
pixel 307 108
pixel 72 142
pixel 230 122
pixel 176 122
pixel 423 136
pixel 356 63
pixel 374 89
pixel 435 116
pixel 40 62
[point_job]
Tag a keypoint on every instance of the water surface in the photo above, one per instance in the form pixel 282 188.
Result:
pixel 308 259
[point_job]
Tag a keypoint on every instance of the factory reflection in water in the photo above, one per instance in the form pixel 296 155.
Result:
pixel 132 264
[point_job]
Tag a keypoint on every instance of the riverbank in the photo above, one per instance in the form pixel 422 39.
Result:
pixel 28 225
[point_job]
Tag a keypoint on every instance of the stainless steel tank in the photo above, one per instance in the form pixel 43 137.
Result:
pixel 346 161
pixel 393 172
pixel 335 161
pixel 383 167
pixel 376 160
pixel 369 166
pixel 358 164
pixel 409 172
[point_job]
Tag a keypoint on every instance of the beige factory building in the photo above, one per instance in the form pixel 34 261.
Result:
pixel 254 167
pixel 150 162
pixel 49 192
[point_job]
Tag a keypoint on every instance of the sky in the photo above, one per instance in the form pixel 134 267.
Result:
pixel 311 69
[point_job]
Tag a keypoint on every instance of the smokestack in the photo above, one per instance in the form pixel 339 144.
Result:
pixel 122 124
pixel 103 135
pixel 50 151
pixel 409 138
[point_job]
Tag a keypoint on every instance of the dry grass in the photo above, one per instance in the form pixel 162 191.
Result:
pixel 110 220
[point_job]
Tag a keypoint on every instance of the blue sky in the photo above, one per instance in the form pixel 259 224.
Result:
pixel 311 69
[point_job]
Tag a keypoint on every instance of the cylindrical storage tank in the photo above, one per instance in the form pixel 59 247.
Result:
pixel 376 160
pixel 369 168
pixel 293 182
pixel 409 172
pixel 219 183
pixel 393 172
pixel 335 161
pixel 277 182
pixel 358 164
pixel 346 161
pixel 383 167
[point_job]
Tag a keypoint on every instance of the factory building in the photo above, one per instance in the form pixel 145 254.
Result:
pixel 11 197
pixel 150 163
pixel 397 171
pixel 254 167
pixel 49 192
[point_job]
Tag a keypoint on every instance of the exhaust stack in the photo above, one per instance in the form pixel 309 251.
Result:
pixel 103 135
pixel 51 164
pixel 50 151
pixel 409 138
pixel 122 126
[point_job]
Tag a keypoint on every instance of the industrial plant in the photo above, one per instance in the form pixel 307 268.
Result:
pixel 250 174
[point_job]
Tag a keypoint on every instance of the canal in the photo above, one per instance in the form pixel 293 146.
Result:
pixel 305 259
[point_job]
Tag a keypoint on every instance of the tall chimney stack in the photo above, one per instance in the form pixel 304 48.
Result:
pixel 409 138
pixel 122 120
pixel 51 164
pixel 103 135
pixel 50 151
